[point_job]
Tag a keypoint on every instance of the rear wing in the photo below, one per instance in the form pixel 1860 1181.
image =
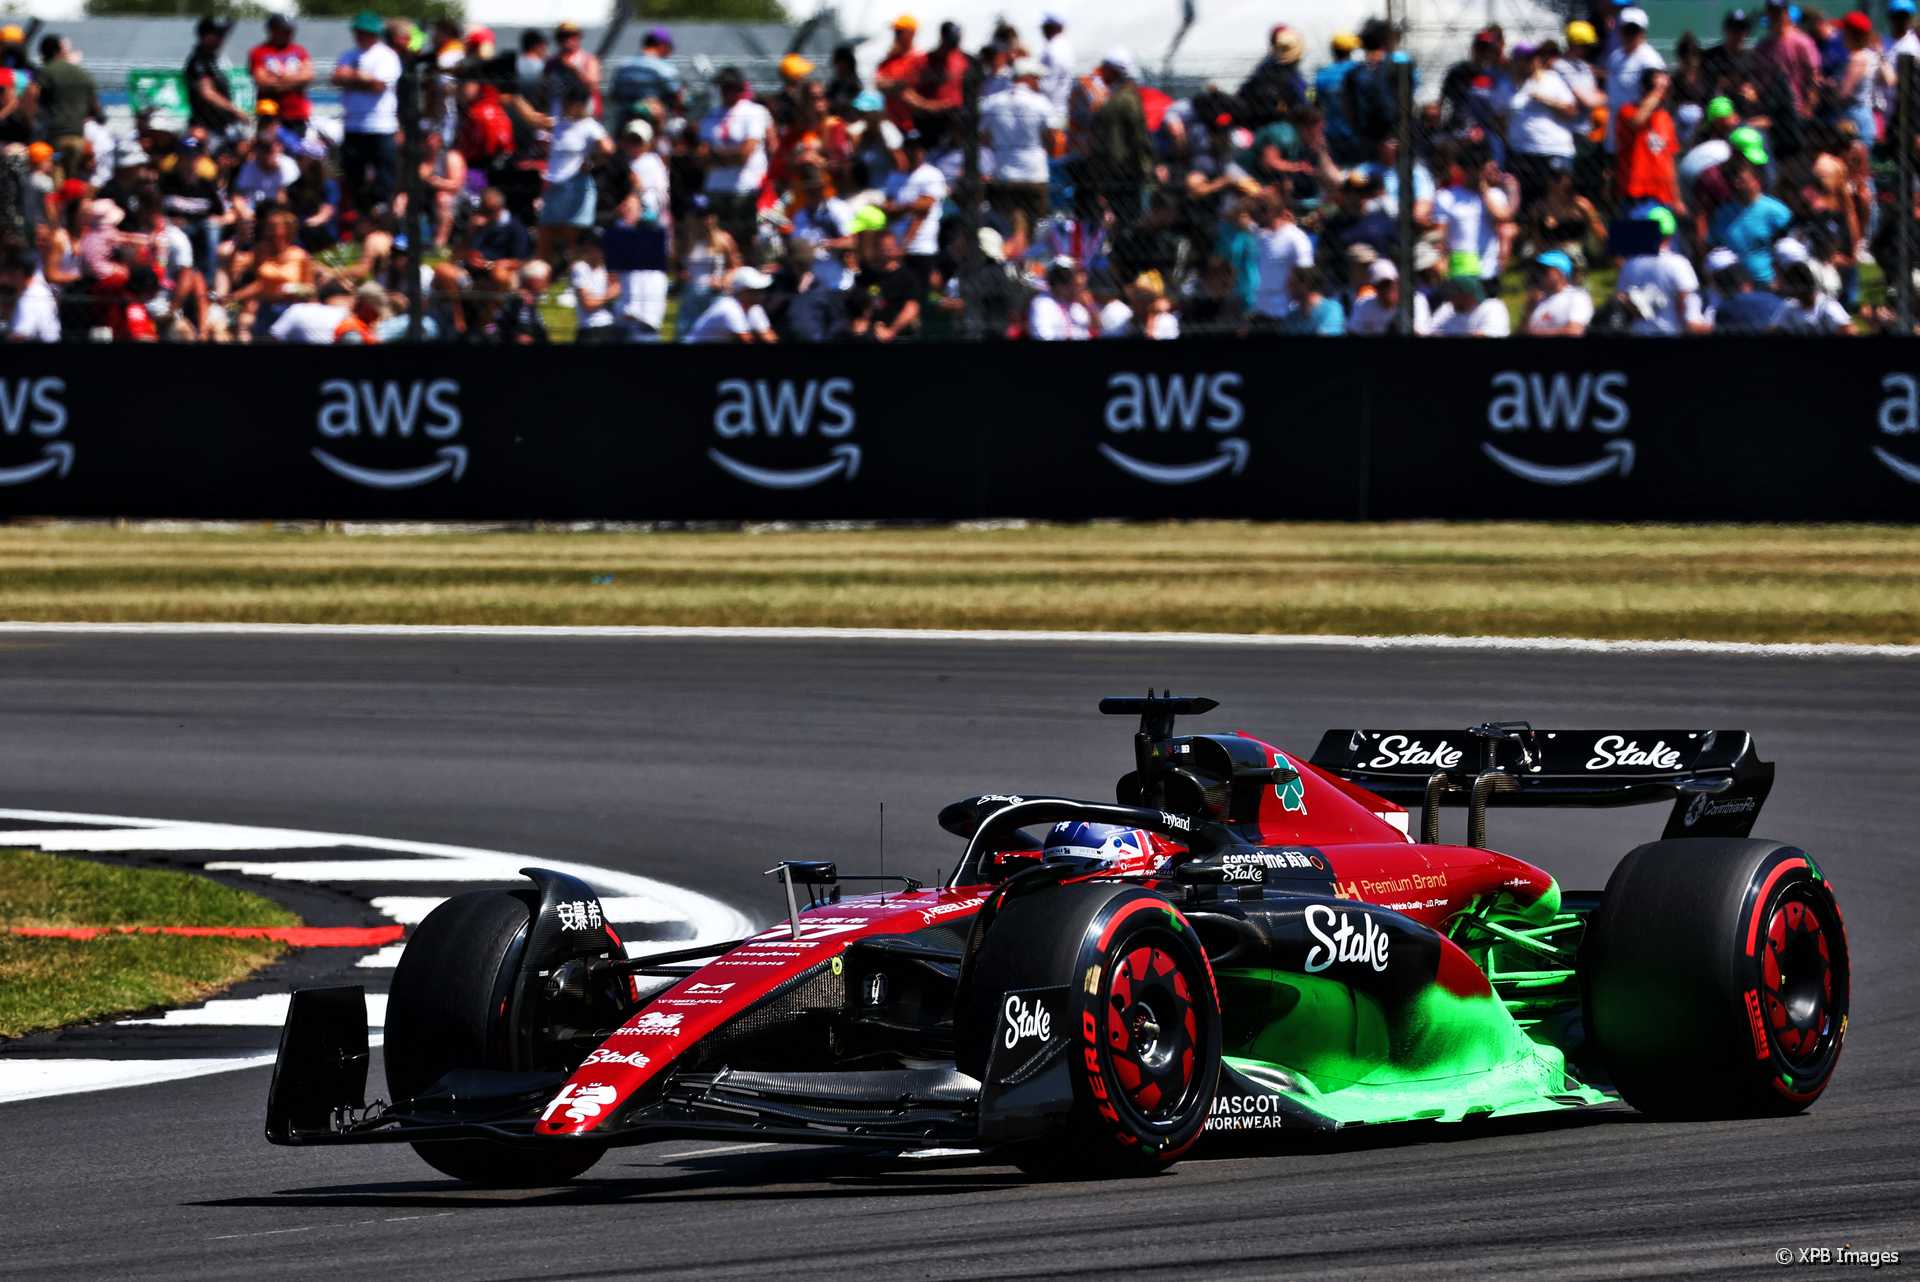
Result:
pixel 1714 778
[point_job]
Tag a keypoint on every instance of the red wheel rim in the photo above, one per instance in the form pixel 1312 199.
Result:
pixel 1153 1032
pixel 1796 979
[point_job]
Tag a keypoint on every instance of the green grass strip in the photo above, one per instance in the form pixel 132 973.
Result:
pixel 48 983
pixel 54 890
pixel 1709 582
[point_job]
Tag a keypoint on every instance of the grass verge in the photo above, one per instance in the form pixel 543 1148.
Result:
pixel 47 983
pixel 1713 582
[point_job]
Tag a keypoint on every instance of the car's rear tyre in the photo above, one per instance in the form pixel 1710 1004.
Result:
pixel 446 1010
pixel 1144 1051
pixel 1715 977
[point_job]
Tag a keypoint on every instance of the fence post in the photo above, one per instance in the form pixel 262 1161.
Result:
pixel 1903 143
pixel 1403 175
pixel 417 222
pixel 969 193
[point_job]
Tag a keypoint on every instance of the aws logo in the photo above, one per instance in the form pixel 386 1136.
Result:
pixel 1178 407
pixel 1899 416
pixel 1561 403
pixel 34 407
pixel 360 411
pixel 785 409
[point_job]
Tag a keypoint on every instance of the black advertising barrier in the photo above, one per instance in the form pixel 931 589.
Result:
pixel 1627 429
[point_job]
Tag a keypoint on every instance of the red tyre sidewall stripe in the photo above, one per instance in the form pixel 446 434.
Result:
pixel 1090 1032
pixel 1780 870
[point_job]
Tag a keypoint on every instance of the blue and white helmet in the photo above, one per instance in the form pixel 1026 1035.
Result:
pixel 1129 848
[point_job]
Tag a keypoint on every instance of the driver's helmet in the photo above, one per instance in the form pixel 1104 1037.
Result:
pixel 1120 850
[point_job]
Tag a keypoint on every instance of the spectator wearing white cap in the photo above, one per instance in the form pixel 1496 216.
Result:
pixel 1022 128
pixel 984 295
pixel 1736 307
pixel 1560 309
pixel 1634 58
pixel 1056 62
pixel 1378 312
pixel 737 316
pixel 647 174
pixel 1060 312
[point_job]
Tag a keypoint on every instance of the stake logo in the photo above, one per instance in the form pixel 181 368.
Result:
pixel 370 410
pixel 1569 403
pixel 1177 406
pixel 1336 940
pixel 33 407
pixel 1398 750
pixel 1021 1022
pixel 1612 750
pixel 783 409
pixel 1899 416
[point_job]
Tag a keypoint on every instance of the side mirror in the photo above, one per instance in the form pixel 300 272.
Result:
pixel 807 872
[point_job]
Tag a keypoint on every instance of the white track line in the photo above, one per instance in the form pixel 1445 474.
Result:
pixel 1575 645
pixel 628 896
pixel 268 1010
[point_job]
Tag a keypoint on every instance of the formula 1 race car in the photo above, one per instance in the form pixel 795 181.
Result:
pixel 1244 942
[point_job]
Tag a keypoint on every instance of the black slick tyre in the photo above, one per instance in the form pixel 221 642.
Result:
pixel 445 1011
pixel 1144 1053
pixel 1715 978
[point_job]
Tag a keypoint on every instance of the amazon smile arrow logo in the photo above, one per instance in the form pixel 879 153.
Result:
pixel 57 457
pixel 1901 468
pixel 453 463
pixel 1231 458
pixel 1618 458
pixel 846 459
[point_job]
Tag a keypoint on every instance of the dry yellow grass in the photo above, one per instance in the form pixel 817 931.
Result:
pixel 1761 583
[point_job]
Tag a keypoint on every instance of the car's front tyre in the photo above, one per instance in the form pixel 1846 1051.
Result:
pixel 1144 1022
pixel 448 1009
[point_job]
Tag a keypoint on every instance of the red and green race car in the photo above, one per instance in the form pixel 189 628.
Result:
pixel 1242 941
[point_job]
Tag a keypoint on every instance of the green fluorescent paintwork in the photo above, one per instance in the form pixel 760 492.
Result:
pixel 1444 1058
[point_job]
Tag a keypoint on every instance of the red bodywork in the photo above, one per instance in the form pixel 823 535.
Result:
pixel 1360 837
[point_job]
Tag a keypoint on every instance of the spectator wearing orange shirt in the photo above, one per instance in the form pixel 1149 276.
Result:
pixel 900 71
pixel 369 309
pixel 1649 147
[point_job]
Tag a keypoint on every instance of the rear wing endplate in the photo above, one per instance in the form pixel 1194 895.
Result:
pixel 1714 778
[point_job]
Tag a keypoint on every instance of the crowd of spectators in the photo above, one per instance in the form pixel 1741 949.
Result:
pixel 1012 189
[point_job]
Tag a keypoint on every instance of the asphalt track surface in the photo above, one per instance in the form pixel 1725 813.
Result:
pixel 701 761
